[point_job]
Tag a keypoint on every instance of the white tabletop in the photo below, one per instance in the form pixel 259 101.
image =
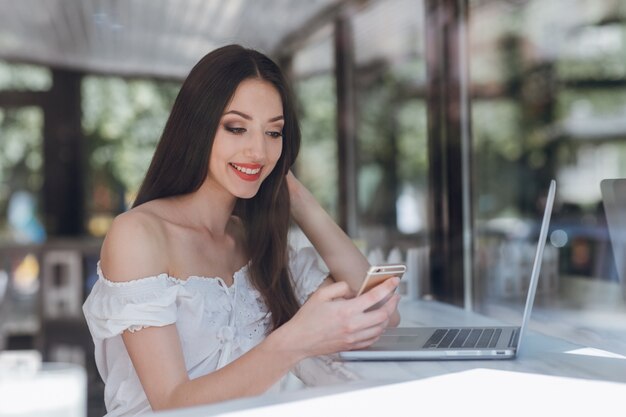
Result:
pixel 543 361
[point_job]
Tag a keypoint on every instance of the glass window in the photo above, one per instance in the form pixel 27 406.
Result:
pixel 549 101
pixel 21 159
pixel 316 166
pixel 122 122
pixel 389 80
pixel 391 129
pixel 21 175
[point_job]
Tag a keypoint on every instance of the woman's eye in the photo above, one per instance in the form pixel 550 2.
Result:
pixel 235 130
pixel 275 134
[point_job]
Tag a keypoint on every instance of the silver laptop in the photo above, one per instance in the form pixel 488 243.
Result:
pixel 459 342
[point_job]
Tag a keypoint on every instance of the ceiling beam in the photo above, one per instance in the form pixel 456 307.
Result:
pixel 297 39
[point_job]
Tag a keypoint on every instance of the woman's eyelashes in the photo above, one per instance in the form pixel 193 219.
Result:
pixel 235 130
pixel 275 134
pixel 241 130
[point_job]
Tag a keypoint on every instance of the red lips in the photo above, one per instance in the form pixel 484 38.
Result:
pixel 247 176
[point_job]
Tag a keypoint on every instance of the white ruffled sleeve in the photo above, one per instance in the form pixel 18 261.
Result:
pixel 113 307
pixel 307 270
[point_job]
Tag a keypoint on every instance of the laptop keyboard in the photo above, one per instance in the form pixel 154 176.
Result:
pixel 464 338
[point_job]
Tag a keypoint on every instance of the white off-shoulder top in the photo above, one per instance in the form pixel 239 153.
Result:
pixel 216 323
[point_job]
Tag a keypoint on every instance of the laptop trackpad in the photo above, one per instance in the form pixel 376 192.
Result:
pixel 401 338
pixel 413 341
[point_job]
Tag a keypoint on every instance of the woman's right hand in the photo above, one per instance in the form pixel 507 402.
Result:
pixel 330 321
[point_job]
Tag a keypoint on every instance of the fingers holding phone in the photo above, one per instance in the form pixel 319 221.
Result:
pixel 379 309
pixel 377 275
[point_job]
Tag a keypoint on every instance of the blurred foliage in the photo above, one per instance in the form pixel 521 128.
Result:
pixel 561 96
pixel 391 137
pixel 21 157
pixel 594 52
pixel 377 149
pixel 24 77
pixel 589 102
pixel 412 142
pixel 392 140
pixel 317 163
pixel 495 128
pixel 122 122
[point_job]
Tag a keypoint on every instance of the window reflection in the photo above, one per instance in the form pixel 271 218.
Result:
pixel 548 101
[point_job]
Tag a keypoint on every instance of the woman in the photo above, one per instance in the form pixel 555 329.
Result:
pixel 199 297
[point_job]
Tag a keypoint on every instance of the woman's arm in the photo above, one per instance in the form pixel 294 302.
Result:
pixel 344 260
pixel 158 359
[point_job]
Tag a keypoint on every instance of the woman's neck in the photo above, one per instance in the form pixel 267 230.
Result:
pixel 207 208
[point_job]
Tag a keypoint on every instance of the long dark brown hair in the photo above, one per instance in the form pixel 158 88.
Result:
pixel 181 161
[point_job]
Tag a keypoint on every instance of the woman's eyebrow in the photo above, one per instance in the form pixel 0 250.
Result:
pixel 245 116
pixel 248 117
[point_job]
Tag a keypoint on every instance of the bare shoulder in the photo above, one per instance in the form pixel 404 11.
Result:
pixel 135 246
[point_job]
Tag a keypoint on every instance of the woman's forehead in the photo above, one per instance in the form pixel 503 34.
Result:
pixel 257 98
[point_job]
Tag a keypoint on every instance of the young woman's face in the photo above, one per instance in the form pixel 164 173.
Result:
pixel 249 141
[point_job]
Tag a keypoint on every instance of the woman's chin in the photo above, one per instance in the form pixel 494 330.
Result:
pixel 247 194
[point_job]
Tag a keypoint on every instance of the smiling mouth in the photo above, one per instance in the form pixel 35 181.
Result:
pixel 247 173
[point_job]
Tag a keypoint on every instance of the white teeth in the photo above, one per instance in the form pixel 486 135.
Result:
pixel 248 171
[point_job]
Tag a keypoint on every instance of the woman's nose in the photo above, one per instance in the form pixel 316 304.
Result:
pixel 255 146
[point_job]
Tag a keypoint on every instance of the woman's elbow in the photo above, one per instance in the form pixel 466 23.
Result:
pixel 176 398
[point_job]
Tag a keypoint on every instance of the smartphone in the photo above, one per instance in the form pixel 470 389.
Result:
pixel 379 273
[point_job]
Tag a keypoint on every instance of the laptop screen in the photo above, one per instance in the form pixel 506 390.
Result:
pixel 534 279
